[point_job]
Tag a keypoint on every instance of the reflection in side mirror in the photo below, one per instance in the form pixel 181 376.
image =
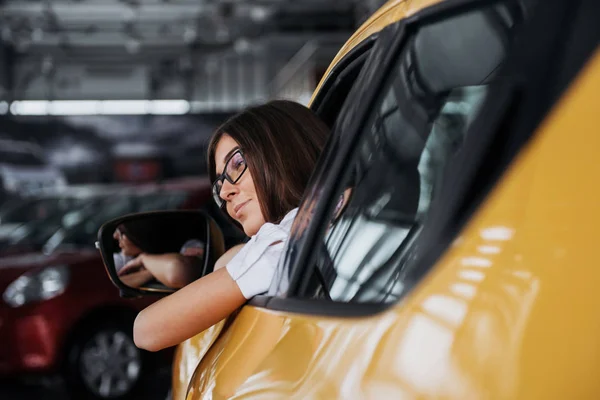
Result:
pixel 159 252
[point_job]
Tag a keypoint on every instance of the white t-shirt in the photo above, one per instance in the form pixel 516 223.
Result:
pixel 254 266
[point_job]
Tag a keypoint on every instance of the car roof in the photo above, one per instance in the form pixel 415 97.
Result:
pixel 19 146
pixel 191 184
pixel 391 12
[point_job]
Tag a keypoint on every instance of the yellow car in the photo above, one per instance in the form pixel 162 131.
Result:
pixel 462 265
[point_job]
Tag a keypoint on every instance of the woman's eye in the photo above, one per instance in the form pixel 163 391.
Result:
pixel 238 163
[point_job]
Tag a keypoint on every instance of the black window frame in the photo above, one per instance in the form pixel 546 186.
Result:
pixel 517 109
pixel 337 79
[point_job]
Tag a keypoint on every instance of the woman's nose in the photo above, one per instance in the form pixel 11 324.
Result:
pixel 227 190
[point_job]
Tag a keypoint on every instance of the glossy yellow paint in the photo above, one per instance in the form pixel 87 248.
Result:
pixel 187 356
pixel 507 313
pixel 391 12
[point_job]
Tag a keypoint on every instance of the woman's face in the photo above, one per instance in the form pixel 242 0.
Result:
pixel 241 199
pixel 128 248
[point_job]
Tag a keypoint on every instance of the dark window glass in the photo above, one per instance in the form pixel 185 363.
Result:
pixel 21 158
pixel 416 128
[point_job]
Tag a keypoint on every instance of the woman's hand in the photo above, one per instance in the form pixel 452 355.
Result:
pixel 133 265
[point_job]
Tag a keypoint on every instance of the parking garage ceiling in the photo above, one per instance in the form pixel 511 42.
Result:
pixel 158 41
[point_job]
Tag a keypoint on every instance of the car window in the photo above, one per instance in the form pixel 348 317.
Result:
pixel 85 232
pixel 162 201
pixel 339 82
pixel 22 158
pixel 38 209
pixel 415 130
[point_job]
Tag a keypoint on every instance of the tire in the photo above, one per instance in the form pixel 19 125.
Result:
pixel 103 363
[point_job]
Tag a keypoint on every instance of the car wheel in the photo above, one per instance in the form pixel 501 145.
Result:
pixel 104 363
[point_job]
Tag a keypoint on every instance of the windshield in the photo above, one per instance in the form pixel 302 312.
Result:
pixel 38 209
pixel 82 232
pixel 21 158
pixel 35 232
pixel 75 222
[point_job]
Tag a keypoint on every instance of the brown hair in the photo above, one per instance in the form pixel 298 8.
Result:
pixel 281 141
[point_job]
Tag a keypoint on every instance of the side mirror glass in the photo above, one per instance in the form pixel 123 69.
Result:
pixel 159 252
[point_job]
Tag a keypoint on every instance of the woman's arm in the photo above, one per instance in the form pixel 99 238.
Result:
pixel 187 312
pixel 172 269
pixel 136 279
pixel 227 256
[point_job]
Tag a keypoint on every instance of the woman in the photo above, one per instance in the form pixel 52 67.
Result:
pixel 260 162
pixel 128 244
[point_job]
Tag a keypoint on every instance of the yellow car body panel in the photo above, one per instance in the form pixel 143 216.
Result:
pixel 483 324
pixel 187 356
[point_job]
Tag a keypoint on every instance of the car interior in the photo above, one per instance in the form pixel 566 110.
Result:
pixel 417 129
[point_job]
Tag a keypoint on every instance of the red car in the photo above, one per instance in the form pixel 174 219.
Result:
pixel 59 311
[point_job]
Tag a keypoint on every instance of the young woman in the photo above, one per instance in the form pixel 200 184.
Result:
pixel 260 162
pixel 128 244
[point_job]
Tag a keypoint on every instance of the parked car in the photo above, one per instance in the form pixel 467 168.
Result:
pixel 464 264
pixel 25 171
pixel 21 215
pixel 59 313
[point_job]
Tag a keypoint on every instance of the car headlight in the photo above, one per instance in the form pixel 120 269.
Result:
pixel 38 286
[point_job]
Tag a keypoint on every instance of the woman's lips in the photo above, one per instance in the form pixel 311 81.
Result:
pixel 239 207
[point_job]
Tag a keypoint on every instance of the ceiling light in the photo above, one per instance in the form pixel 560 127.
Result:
pixel 241 46
pixel 37 35
pixel 259 14
pixel 130 14
pixel 132 45
pixel 125 107
pixel 169 107
pixel 97 107
pixel 31 107
pixel 189 34
pixel 74 107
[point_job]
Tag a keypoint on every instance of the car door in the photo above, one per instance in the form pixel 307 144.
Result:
pixel 409 160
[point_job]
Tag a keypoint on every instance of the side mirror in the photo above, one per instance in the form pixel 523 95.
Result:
pixel 143 252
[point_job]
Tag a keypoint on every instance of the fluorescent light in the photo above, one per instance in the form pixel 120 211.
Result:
pixel 74 107
pixel 118 107
pixel 29 107
pixel 96 107
pixel 169 107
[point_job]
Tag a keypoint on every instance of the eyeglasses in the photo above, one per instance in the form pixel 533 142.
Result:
pixel 235 166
